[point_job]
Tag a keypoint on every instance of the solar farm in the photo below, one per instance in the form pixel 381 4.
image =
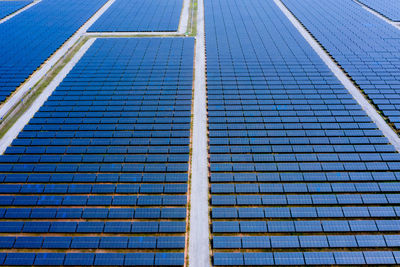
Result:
pixel 199 133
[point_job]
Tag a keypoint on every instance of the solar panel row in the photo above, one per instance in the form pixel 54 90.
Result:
pixel 305 226
pixel 34 35
pixel 306 212
pixel 9 7
pixel 307 176
pixel 85 259
pixel 140 16
pixel 90 180
pixel 316 241
pixel 305 187
pixel 387 8
pixel 112 167
pixel 307 258
pixel 285 133
pixel 302 199
pixel 92 242
pixel 92 213
pixel 365 46
pixel 95 200
pixel 65 225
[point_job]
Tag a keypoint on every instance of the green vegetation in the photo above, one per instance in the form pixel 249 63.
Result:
pixel 192 24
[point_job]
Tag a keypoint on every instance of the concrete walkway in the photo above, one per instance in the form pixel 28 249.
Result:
pixel 183 21
pixel 199 254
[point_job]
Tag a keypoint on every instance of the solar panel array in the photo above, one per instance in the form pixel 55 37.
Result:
pixel 299 173
pixel 365 46
pixel 34 35
pixel 99 175
pixel 388 8
pixel 140 16
pixel 9 7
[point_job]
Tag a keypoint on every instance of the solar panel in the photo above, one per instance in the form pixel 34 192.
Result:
pixel 319 258
pixel 109 259
pixel 79 259
pixel 20 259
pixel 139 259
pixel 258 259
pixel 255 242
pixel 349 258
pixel 98 180
pixel 288 258
pixel 221 258
pixel 9 7
pixel 20 61
pixel 362 63
pixel 227 242
pixel 169 259
pixel 386 8
pixel 286 138
pixel 313 241
pixel 49 259
pixel 136 16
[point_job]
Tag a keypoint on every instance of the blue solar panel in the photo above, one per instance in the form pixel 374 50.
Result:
pixel 79 259
pixel 255 242
pixel 349 258
pixel 85 242
pixel 47 29
pixel 386 8
pixel 362 62
pixel 137 16
pixel 319 258
pixel 290 150
pixel 342 241
pixel 139 259
pixel 62 242
pixel 313 241
pixel 298 171
pixel 288 258
pixel 227 242
pixel 169 259
pixel 113 259
pixel 7 241
pixel 228 259
pixel 114 242
pixel 284 242
pixel 28 242
pixel 258 259
pixel 9 7
pixel 126 155
pixel 19 259
pixel 54 259
pixel 392 240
